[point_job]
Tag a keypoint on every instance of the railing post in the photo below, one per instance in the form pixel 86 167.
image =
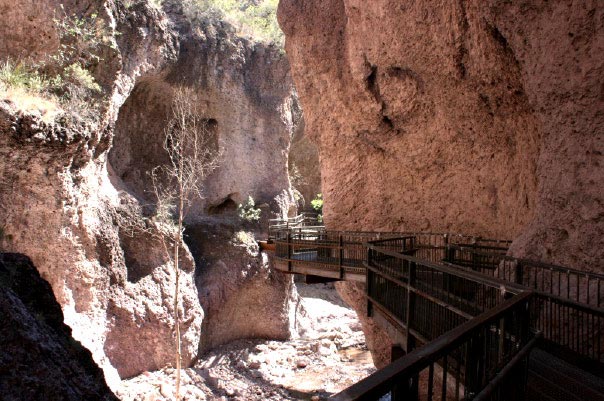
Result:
pixel 474 255
pixel 410 304
pixel 449 252
pixel 517 272
pixel 289 251
pixel 340 256
pixel 408 389
pixel 474 364
pixel 368 284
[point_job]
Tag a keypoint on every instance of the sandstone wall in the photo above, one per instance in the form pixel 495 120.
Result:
pixel 468 116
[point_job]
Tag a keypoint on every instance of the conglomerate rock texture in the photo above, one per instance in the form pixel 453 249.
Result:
pixel 39 360
pixel 242 296
pixel 482 117
pixel 78 212
pixel 244 93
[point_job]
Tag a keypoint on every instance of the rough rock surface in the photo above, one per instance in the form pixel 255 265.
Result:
pixel 469 116
pixel 376 338
pixel 304 161
pixel 244 92
pixel 39 359
pixel 63 204
pixel 246 96
pixel 328 357
pixel 242 296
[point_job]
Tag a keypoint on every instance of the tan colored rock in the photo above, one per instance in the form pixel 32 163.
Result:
pixel 77 216
pixel 304 166
pixel 242 296
pixel 475 117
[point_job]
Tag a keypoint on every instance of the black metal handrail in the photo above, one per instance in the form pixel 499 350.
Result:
pixel 305 219
pixel 451 279
pixel 326 249
pixel 424 298
pixel 577 285
pixel 485 345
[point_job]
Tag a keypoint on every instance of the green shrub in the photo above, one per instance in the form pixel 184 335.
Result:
pixel 248 211
pixel 81 39
pixel 317 204
pixel 18 75
pixel 65 77
pixel 81 77
pixel 257 20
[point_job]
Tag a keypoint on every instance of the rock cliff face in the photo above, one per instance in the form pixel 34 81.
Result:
pixel 242 296
pixel 469 116
pixel 246 96
pixel 39 360
pixel 304 166
pixel 72 202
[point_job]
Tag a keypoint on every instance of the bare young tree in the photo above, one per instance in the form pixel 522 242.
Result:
pixel 193 153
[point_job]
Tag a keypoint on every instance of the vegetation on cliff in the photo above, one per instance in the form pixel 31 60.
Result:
pixel 64 78
pixel 254 19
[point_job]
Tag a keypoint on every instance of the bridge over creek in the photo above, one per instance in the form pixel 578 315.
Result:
pixel 471 323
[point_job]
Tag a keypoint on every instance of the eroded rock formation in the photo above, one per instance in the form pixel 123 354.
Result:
pixel 80 217
pixel 242 296
pixel 469 116
pixel 304 166
pixel 39 360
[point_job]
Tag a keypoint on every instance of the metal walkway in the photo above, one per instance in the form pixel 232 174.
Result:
pixel 467 316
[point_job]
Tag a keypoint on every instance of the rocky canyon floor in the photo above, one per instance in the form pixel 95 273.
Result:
pixel 329 355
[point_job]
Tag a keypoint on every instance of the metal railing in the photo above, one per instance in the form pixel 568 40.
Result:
pixel 575 285
pixel 568 307
pixel 430 284
pixel 476 360
pixel 344 250
pixel 302 220
pixel 424 298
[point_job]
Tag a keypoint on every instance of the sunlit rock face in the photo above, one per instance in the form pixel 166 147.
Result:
pixel 71 192
pixel 245 94
pixel 476 117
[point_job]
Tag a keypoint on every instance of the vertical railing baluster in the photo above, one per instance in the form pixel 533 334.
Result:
pixel 340 256
pixel 289 251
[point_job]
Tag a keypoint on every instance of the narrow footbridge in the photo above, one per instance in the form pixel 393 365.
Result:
pixel 471 322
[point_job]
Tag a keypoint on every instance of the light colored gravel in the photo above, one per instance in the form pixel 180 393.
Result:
pixel 329 356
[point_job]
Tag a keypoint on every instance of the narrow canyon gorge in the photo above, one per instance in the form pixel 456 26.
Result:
pixel 478 117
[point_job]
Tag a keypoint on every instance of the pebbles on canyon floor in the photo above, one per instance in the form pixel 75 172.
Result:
pixel 329 357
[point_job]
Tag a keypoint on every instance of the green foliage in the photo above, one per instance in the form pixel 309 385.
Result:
pixel 81 39
pixel 256 19
pixel 248 211
pixel 66 75
pixel 81 77
pixel 18 75
pixel 317 204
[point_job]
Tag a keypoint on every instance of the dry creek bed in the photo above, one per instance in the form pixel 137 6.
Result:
pixel 329 355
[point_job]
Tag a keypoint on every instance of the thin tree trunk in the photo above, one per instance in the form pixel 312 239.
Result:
pixel 176 293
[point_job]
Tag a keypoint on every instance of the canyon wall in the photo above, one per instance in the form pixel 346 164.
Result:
pixel 39 358
pixel 467 116
pixel 74 194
